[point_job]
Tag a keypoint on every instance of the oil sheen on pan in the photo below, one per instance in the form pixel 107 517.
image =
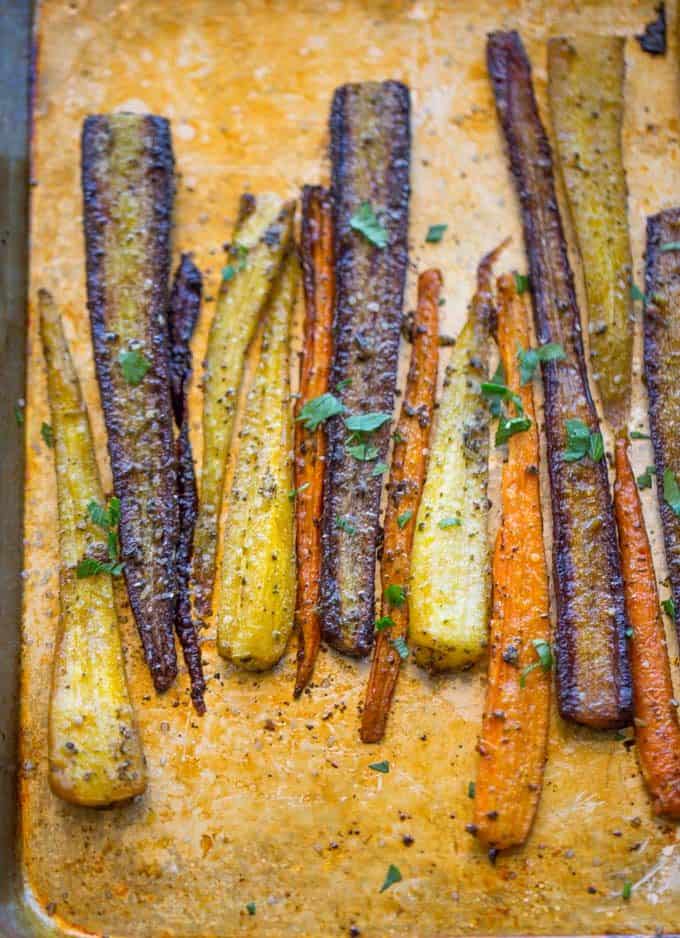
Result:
pixel 292 818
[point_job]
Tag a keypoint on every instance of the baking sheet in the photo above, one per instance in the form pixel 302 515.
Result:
pixel 292 818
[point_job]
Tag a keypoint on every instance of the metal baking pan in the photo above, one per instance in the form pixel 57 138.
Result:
pixel 267 800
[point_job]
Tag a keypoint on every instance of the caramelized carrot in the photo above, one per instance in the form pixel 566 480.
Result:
pixel 409 462
pixel 310 446
pixel 514 733
pixel 657 732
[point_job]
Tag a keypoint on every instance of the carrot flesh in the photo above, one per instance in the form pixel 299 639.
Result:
pixel 657 732
pixel 407 474
pixel 310 447
pixel 514 735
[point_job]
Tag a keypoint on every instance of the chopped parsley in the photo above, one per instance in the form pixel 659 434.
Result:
pixel 400 647
pixel 366 223
pixel 545 659
pixel 509 426
pixel 395 595
pixel 444 523
pixel 251 907
pixel 581 442
pixel 319 409
pixel 435 233
pixel 636 294
pixel 384 622
pixel 345 525
pixel 364 452
pixel 521 283
pixel 644 480
pixel 627 890
pixel 671 491
pixel 134 366
pixel 670 246
pixel 530 358
pixel 638 435
pixel 393 876
pixel 379 468
pixel 230 271
pixel 404 519
pixel 293 494
pixel 668 606
pixel 471 790
pixel 383 766
pixel 367 423
pixel 107 518
pixel 47 433
pixel 19 412
pixel 497 392
pixel 630 632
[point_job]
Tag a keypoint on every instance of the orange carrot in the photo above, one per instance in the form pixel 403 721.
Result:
pixel 657 732
pixel 513 740
pixel 310 446
pixel 407 474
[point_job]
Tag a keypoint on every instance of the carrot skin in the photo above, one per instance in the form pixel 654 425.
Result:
pixel 310 447
pixel 407 474
pixel 657 732
pixel 514 735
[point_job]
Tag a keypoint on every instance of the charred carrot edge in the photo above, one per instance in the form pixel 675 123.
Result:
pixel 593 674
pixel 185 306
pixel 657 732
pixel 407 474
pixel 514 735
pixel 318 274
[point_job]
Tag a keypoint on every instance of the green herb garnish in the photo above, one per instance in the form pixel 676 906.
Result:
pixel 638 435
pixel 47 433
pixel 366 223
pixel 384 622
pixel 230 271
pixel 383 766
pixel 671 491
pixel 668 606
pixel 345 383
pixel 19 415
pixel 545 659
pixel 252 908
pixel 627 890
pixel 379 468
pixel 435 233
pixel 521 283
pixel 670 246
pixel 364 452
pixel 134 366
pixel 582 442
pixel 367 423
pixel 393 876
pixel 320 408
pixel 345 525
pixel 395 595
pixel 471 790
pixel 636 294
pixel 509 426
pixel 449 523
pixel 404 519
pixel 529 359
pixel 644 480
pixel 293 494
pixel 107 518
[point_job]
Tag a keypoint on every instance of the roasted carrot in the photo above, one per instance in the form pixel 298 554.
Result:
pixel 514 733
pixel 657 732
pixel 310 445
pixel 407 474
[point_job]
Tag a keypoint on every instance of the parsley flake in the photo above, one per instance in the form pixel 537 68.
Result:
pixel 251 907
pixel 367 423
pixel 509 426
pixel 435 233
pixel 400 647
pixel 670 246
pixel 230 271
pixel 345 525
pixel 530 358
pixel 444 523
pixel 545 659
pixel 384 622
pixel 383 766
pixel 471 790
pixel 366 223
pixel 395 595
pixel 364 452
pixel 668 606
pixel 107 518
pixel 644 480
pixel 627 890
pixel 636 294
pixel 19 412
pixel 379 469
pixel 671 491
pixel 404 519
pixel 638 435
pixel 393 876
pixel 521 283
pixel 293 494
pixel 134 366
pixel 319 409
pixel 47 433
pixel 581 442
